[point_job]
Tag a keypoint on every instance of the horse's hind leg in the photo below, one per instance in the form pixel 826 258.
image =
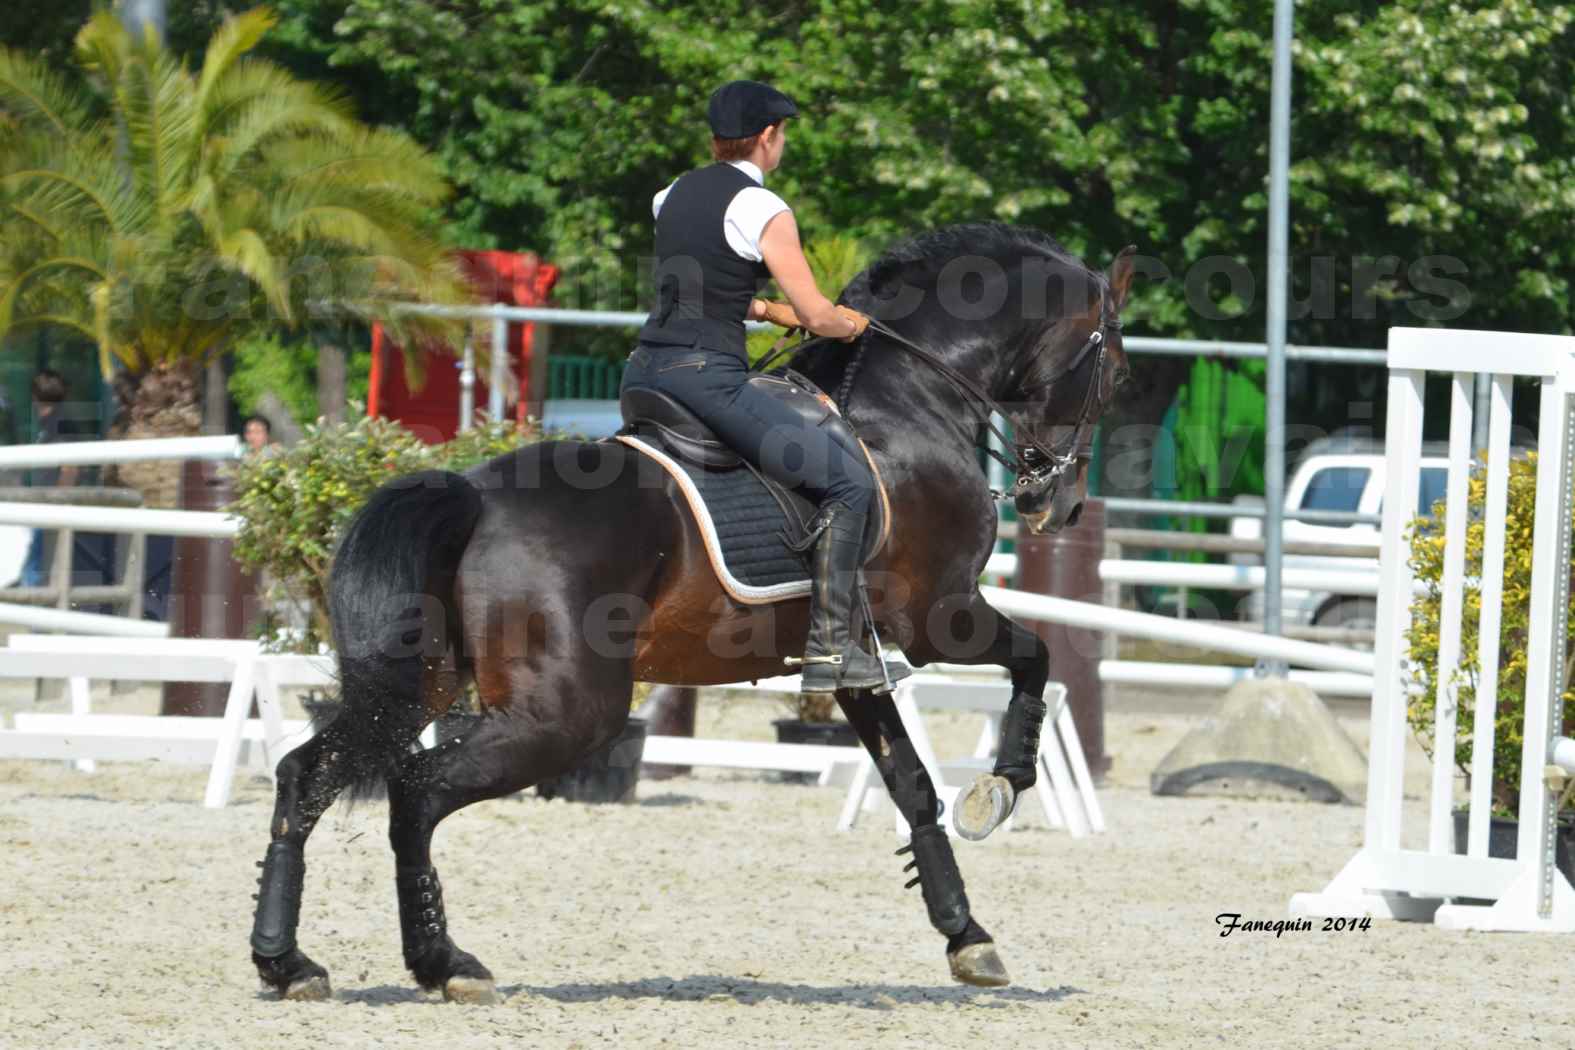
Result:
pixel 308 780
pixel 522 739
pixel 970 951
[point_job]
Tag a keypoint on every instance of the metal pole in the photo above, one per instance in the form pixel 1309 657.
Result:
pixel 139 13
pixel 1479 413
pixel 467 386
pixel 500 367
pixel 1279 264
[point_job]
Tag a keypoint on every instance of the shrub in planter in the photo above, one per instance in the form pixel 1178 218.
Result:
pixel 294 503
pixel 1427 561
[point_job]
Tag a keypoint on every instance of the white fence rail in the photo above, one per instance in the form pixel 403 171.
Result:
pixel 120 519
pixel 81 453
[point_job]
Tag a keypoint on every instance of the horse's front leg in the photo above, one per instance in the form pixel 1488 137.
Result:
pixel 986 804
pixel 970 951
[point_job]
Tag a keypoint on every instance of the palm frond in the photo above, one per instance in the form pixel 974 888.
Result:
pixel 31 94
pixel 248 252
pixel 103 47
pixel 230 42
pixel 154 100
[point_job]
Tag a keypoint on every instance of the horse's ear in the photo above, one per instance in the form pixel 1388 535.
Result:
pixel 1121 275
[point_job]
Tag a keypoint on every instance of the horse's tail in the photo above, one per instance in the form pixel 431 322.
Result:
pixel 391 601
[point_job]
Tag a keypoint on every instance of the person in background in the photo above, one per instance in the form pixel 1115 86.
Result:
pixel 49 426
pixel 257 432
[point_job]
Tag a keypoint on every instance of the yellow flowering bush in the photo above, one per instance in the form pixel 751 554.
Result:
pixel 1427 562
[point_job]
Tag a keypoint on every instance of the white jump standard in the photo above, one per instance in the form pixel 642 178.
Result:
pixel 1383 879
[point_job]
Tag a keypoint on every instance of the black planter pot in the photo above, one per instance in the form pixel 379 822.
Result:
pixel 608 774
pixel 798 731
pixel 1503 835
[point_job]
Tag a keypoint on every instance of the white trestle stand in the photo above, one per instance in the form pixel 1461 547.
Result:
pixel 1383 879
pixel 1065 789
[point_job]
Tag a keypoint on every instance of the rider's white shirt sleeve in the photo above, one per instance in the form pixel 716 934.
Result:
pixel 746 219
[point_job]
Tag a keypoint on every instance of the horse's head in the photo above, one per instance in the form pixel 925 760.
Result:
pixel 1072 377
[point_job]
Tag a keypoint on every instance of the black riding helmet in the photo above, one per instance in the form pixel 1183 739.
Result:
pixel 742 108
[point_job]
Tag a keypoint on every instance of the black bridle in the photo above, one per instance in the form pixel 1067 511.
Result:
pixel 1038 468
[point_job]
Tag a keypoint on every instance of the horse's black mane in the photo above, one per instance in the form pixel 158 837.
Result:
pixel 927 253
pixel 917 261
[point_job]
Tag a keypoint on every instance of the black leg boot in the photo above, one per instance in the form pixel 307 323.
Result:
pixel 990 799
pixel 969 951
pixel 832 658
pixel 280 964
pixel 432 958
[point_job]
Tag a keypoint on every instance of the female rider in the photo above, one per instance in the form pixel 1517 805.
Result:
pixel 719 235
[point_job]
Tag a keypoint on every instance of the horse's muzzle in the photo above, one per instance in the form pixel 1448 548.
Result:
pixel 1044 522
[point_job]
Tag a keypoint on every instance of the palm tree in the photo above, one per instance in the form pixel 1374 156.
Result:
pixel 163 212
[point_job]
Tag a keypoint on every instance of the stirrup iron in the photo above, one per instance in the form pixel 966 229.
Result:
pixel 869 618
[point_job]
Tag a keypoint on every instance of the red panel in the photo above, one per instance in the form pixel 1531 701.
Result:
pixel 513 278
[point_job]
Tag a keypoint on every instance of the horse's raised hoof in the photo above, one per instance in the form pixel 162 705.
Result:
pixel 978 965
pixel 983 807
pixel 313 989
pixel 475 991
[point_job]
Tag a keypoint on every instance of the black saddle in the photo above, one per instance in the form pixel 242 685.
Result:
pixel 734 491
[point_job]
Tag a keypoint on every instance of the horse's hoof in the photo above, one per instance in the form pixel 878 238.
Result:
pixel 476 991
pixel 313 989
pixel 978 965
pixel 981 809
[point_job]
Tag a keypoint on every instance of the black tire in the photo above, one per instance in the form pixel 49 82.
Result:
pixel 1351 613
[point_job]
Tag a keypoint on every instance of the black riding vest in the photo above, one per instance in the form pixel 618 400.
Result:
pixel 703 287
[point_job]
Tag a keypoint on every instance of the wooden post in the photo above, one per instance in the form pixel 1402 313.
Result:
pixel 1066 565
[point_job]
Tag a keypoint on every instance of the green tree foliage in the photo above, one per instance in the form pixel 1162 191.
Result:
pixel 1422 129
pixel 165 211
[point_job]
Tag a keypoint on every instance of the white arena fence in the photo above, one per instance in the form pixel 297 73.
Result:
pixel 226 745
pixel 1384 878
pixel 110 519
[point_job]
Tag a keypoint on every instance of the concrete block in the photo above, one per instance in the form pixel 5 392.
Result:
pixel 1270 738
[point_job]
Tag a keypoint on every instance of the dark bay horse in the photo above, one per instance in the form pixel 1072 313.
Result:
pixel 555 577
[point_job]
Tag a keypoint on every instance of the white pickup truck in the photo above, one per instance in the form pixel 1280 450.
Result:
pixel 1347 477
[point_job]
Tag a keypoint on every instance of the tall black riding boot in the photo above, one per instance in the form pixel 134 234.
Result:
pixel 832 658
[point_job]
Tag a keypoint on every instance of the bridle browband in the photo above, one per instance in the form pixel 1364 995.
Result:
pixel 1036 466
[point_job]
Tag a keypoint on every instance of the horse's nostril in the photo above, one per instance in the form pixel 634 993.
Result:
pixel 1077 512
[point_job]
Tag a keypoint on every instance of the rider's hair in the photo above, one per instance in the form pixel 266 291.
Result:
pixel 736 149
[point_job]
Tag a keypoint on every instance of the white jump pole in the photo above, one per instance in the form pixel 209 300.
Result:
pixel 1182 632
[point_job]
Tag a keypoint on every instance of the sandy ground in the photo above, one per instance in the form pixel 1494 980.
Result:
pixel 723 910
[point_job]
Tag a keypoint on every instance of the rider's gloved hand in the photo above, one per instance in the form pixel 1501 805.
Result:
pixel 860 322
pixel 779 314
